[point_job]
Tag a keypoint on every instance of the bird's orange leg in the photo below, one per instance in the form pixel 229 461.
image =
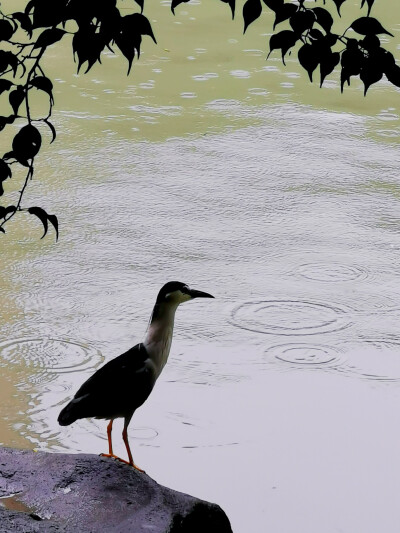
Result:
pixel 109 430
pixel 110 449
pixel 125 439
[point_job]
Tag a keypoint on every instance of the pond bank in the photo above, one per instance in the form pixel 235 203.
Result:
pixel 40 491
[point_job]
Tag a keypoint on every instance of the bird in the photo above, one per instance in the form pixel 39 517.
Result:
pixel 123 384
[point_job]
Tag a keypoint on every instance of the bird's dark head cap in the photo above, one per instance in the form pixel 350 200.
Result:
pixel 178 291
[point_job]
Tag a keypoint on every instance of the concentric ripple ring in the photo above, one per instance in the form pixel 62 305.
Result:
pixel 305 355
pixel 49 355
pixel 331 272
pixel 290 317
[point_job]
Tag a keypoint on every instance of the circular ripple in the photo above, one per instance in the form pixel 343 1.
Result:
pixel 144 433
pixel 290 317
pixel 303 354
pixel 331 272
pixel 46 355
pixel 372 359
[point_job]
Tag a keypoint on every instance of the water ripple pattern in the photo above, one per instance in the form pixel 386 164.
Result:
pixel 290 317
pixel 332 272
pixel 47 357
pixel 295 355
pixel 372 359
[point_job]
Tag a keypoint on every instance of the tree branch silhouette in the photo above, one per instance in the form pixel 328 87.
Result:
pixel 101 25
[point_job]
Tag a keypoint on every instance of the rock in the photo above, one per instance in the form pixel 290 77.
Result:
pixel 46 492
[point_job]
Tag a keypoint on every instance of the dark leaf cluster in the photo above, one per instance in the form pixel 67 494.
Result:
pixel 320 48
pixel 100 26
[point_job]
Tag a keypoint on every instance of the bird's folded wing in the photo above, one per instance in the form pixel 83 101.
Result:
pixel 117 373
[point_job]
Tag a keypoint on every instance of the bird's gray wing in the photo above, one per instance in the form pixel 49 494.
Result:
pixel 118 387
pixel 129 362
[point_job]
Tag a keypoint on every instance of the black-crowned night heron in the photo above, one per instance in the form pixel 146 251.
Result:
pixel 123 384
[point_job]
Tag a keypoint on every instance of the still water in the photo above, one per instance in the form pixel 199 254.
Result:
pixel 214 167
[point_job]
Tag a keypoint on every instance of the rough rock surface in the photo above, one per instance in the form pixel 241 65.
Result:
pixel 84 493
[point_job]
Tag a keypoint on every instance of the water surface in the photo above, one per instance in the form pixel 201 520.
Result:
pixel 212 166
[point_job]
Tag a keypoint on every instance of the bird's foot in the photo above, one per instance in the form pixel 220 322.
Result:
pixel 137 468
pixel 122 461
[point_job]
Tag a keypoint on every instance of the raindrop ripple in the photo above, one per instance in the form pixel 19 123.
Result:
pixel 290 317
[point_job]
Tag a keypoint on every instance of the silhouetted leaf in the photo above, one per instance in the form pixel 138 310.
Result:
pixel 140 3
pixel 129 37
pixel 393 75
pixel 16 98
pixel 284 12
pixel 231 4
pixel 26 143
pixel 385 58
pixel 370 43
pixel 327 64
pixel 309 58
pixel 283 40
pixel 369 26
pixel 44 84
pixel 331 39
pixel 29 6
pixel 54 222
pixel 24 21
pixel 53 130
pixel 5 85
pixel 42 216
pixel 6 120
pixel 49 37
pixel 5 170
pixel 90 11
pixel 88 46
pixel 251 11
pixel 370 4
pixel 2 230
pixel 137 23
pixel 9 155
pixel 315 34
pixel 3 123
pixel 351 61
pixel 129 46
pixel 338 4
pixel 44 219
pixel 371 72
pixel 47 13
pixel 324 18
pixel 274 4
pixel 4 211
pixel 8 59
pixel 302 21
pixel 175 3
pixel 6 30
pixel 379 60
pixel 110 26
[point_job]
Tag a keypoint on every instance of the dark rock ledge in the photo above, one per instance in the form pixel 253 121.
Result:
pixel 84 493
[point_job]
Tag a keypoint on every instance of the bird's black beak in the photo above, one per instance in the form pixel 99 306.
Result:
pixel 199 294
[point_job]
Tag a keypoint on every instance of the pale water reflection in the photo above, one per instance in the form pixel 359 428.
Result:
pixel 280 397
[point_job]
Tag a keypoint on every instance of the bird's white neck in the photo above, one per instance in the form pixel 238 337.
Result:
pixel 158 337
